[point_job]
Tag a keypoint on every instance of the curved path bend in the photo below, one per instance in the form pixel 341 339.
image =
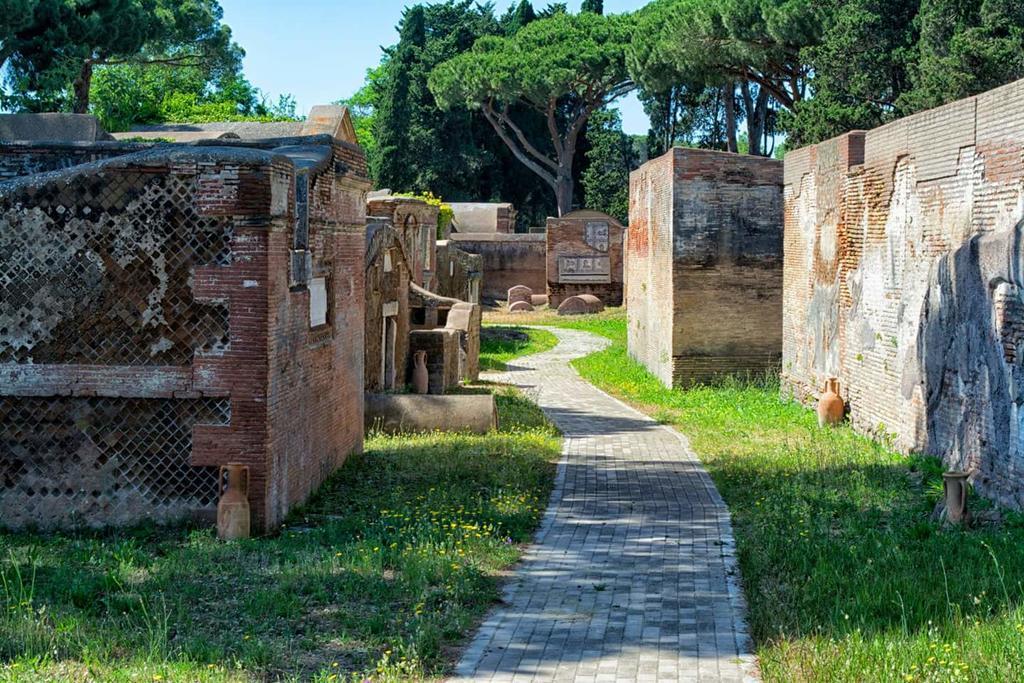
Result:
pixel 632 575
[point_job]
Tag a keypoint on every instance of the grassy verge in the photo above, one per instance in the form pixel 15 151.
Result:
pixel 846 576
pixel 501 344
pixel 381 574
pixel 608 323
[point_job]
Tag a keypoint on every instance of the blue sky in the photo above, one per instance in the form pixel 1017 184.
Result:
pixel 319 50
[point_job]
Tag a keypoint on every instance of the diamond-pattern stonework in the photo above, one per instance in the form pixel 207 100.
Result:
pixel 632 576
pixel 68 459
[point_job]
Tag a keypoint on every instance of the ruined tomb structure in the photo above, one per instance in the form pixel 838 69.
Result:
pixel 406 265
pixel 168 310
pixel 703 265
pixel 584 256
pixel 387 309
pixel 903 278
pixel 460 275
pixel 507 260
pixel 441 315
pixel 416 223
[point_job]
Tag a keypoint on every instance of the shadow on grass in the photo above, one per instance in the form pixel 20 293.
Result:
pixel 398 552
pixel 847 576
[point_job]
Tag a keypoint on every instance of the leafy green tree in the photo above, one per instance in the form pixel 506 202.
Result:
pixel 564 68
pixel 965 47
pixel 718 41
pixel 15 15
pixel 420 146
pixel 399 116
pixel 689 115
pixel 362 106
pixel 517 17
pixel 127 94
pixel 860 70
pixel 53 56
pixel 595 6
pixel 610 158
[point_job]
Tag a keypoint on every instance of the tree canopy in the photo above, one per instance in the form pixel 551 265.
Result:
pixel 563 68
pixel 52 51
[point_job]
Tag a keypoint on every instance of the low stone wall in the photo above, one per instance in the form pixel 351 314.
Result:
pixel 903 278
pixel 508 260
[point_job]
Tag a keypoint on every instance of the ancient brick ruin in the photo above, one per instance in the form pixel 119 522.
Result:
pixel 507 260
pixel 903 278
pixel 167 309
pixel 404 262
pixel 703 265
pixel 584 256
pixel 416 222
pixel 386 340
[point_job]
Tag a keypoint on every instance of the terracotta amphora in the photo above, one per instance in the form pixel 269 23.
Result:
pixel 233 515
pixel 420 376
pixel 830 406
pixel 954 485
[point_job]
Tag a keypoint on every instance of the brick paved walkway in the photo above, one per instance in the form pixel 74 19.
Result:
pixel 632 574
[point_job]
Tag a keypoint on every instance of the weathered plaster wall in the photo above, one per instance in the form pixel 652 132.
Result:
pixel 508 260
pixel 704 265
pixel 473 217
pixel 416 222
pixel 903 269
pixel 584 256
pixel 459 273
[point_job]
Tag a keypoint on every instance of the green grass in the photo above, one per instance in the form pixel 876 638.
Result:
pixel 501 344
pixel 846 576
pixel 382 573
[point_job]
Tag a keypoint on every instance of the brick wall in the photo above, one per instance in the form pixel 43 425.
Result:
pixel 416 222
pixel 386 288
pixel 704 265
pixel 459 273
pixel 508 260
pixel 442 348
pixel 151 331
pixel 576 265
pixel 902 279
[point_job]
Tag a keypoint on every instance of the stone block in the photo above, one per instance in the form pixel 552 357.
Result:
pixel 580 305
pixel 520 307
pixel 519 293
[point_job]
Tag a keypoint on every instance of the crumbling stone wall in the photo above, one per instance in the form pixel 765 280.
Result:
pixel 508 260
pixel 584 256
pixel 22 159
pixel 459 273
pixel 703 265
pixel 387 297
pixel 902 279
pixel 487 217
pixel 416 222
pixel 155 324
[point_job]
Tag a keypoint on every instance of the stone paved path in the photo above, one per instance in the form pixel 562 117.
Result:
pixel 632 574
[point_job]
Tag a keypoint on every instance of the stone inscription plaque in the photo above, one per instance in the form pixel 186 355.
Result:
pixel 596 235
pixel 584 269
